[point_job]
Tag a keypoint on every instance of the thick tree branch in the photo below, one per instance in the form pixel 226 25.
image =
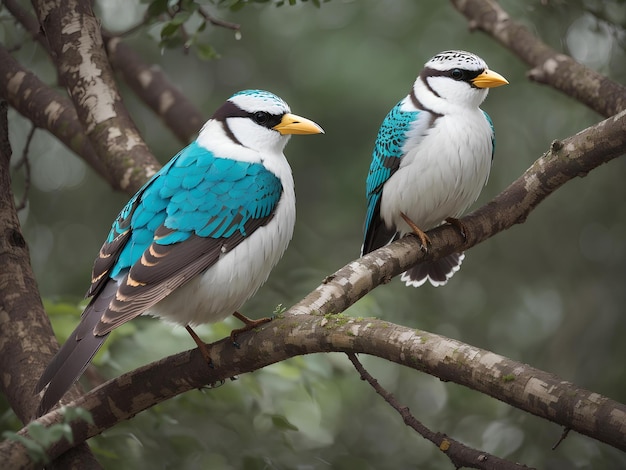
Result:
pixel 73 34
pixel 304 331
pixel 27 341
pixel 520 385
pixel 148 82
pixel 153 87
pixel 47 109
pixel 549 67
pixel 573 157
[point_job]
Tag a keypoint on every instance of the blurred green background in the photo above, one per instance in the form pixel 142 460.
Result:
pixel 550 292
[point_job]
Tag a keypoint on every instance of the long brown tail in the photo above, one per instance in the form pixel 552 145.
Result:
pixel 72 359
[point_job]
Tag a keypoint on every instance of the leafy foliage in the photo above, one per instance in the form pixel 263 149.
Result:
pixel 183 22
pixel 40 437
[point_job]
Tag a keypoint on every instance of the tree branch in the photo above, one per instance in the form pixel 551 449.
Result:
pixel 73 34
pixel 47 109
pixel 24 162
pixel 573 157
pixel 153 87
pixel 459 454
pixel 24 326
pixel 549 67
pixel 520 385
pixel 217 22
pixel 148 82
pixel 304 331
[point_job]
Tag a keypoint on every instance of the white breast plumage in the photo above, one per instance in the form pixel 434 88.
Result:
pixel 446 171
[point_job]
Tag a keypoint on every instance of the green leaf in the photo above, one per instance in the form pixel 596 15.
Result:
pixel 38 432
pixel 206 52
pixel 237 6
pixel 71 414
pixel 156 8
pixel 282 423
pixel 49 435
pixel 169 30
pixel 181 18
pixel 40 437
pixel 188 5
pixel 35 450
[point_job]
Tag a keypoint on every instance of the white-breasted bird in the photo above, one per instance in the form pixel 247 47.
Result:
pixel 198 239
pixel 431 158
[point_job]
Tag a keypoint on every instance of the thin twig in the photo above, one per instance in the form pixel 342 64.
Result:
pixel 24 161
pixel 564 434
pixel 459 454
pixel 217 22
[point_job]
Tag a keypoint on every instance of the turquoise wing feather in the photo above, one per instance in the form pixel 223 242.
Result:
pixel 388 151
pixel 493 135
pixel 196 208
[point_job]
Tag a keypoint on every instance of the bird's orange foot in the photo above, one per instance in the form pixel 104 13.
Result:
pixel 249 324
pixel 202 346
pixel 460 226
pixel 424 240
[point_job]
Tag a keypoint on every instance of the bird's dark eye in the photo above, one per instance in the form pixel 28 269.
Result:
pixel 457 74
pixel 261 117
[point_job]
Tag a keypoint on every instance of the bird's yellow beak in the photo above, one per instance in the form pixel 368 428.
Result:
pixel 293 124
pixel 489 79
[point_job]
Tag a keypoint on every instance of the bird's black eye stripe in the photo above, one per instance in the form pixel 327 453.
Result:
pixel 265 119
pixel 456 73
pixel 262 118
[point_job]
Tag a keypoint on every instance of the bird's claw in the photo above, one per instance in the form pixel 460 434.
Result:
pixel 460 226
pixel 423 238
pixel 202 346
pixel 249 324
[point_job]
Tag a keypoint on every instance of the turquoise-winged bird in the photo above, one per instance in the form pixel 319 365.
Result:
pixel 198 239
pixel 431 158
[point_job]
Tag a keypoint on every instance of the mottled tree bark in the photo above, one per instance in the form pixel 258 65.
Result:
pixel 149 82
pixel 153 87
pixel 518 384
pixel 27 342
pixel 73 35
pixel 47 109
pixel 549 67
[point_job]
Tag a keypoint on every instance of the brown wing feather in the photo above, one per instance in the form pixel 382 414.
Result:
pixel 163 268
pixel 107 257
pixel 105 261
